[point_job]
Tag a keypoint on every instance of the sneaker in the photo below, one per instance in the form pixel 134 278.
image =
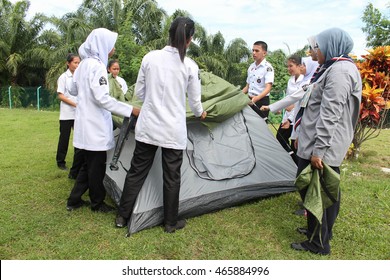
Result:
pixel 78 205
pixel 120 221
pixel 179 225
pixel 304 246
pixel 62 167
pixel 104 208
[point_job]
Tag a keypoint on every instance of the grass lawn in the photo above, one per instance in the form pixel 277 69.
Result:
pixel 36 226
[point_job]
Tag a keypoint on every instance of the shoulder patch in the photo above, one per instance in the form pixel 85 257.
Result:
pixel 102 81
pixel 269 69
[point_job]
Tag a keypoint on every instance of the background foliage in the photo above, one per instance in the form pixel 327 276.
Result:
pixel 32 52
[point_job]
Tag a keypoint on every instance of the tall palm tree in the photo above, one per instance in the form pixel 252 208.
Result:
pixel 66 35
pixel 18 39
pixel 147 19
pixel 103 13
pixel 211 55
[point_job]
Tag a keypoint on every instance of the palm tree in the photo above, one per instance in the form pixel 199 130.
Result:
pixel 66 35
pixel 211 55
pixel 147 20
pixel 103 13
pixel 18 40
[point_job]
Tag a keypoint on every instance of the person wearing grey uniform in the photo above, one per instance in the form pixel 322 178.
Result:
pixel 327 125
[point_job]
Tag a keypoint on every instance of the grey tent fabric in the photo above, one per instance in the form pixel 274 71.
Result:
pixel 264 169
pixel 206 146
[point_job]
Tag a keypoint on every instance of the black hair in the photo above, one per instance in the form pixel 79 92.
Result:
pixel 180 32
pixel 69 58
pixel 111 62
pixel 262 44
pixel 295 59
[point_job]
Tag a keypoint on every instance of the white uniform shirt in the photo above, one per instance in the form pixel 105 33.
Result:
pixel 259 76
pixel 123 84
pixel 292 86
pixel 93 124
pixel 64 86
pixel 162 83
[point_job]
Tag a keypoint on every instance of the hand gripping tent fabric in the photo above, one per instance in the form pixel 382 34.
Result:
pixel 231 159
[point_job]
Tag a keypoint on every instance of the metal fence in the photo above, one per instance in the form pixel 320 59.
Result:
pixel 28 97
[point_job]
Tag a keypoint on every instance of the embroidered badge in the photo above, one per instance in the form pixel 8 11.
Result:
pixel 102 81
pixel 269 69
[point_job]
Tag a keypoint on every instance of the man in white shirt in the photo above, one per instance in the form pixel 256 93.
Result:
pixel 260 78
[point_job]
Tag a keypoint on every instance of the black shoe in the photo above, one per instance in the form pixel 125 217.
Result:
pixel 120 221
pixel 301 247
pixel 300 212
pixel 62 167
pixel 179 225
pixel 302 230
pixel 78 205
pixel 104 208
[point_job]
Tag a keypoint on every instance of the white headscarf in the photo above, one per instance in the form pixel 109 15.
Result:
pixel 311 67
pixel 82 53
pixel 334 42
pixel 99 43
pixel 312 42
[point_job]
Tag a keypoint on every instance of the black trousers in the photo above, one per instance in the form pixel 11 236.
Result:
pixel 78 161
pixel 62 149
pixel 63 141
pixel 264 101
pixel 90 178
pixel 141 163
pixel 283 136
pixel 328 219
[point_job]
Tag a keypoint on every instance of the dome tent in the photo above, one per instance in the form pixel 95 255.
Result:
pixel 232 159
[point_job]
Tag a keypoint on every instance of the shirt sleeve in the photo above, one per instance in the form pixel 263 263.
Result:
pixel 194 90
pixel 140 83
pixel 100 90
pixel 269 75
pixel 287 100
pixel 61 84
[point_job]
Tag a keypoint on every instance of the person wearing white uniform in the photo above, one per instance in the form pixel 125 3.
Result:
pixel 284 132
pixel 260 79
pixel 163 80
pixel 309 67
pixel 93 132
pixel 67 116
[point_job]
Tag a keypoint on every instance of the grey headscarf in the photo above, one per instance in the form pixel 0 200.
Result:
pixel 334 42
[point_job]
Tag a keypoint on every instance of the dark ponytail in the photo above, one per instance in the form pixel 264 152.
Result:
pixel 181 30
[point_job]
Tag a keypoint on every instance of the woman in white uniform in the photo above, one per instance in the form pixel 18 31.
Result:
pixel 67 115
pixel 93 132
pixel 163 80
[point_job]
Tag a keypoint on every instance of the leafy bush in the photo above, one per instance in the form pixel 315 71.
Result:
pixel 375 73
